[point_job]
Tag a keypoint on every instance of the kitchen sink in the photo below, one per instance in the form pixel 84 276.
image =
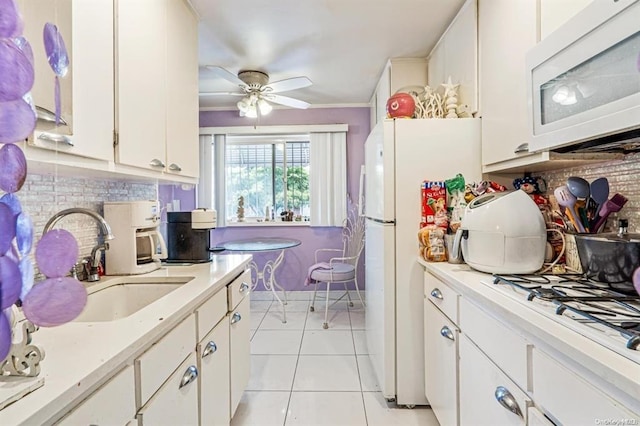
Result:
pixel 120 298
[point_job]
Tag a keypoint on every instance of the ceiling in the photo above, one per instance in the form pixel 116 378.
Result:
pixel 341 45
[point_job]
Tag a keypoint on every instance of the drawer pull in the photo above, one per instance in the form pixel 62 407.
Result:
pixel 506 399
pixel 174 167
pixel 235 318
pixel 209 349
pixel 436 293
pixel 522 148
pixel 189 376
pixel 55 138
pixel 156 163
pixel 447 333
pixel 244 287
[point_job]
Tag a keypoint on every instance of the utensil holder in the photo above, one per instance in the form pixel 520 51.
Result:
pixel 572 258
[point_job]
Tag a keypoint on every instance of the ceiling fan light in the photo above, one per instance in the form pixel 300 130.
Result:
pixel 243 104
pixel 251 112
pixel 265 107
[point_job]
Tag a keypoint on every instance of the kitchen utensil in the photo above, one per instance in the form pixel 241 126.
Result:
pixel 636 280
pixel 610 206
pixel 566 199
pixel 581 190
pixel 610 258
pixel 599 194
pixel 492 241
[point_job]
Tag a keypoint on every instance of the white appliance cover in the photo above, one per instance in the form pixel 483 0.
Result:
pixel 503 233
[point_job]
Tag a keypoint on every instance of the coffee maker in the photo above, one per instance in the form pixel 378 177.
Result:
pixel 138 246
pixel 189 236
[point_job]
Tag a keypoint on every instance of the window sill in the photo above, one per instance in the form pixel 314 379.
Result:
pixel 267 224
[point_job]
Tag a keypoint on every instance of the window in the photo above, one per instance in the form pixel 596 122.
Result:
pixel 300 168
pixel 271 174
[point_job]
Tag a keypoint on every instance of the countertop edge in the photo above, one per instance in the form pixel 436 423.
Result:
pixel 45 409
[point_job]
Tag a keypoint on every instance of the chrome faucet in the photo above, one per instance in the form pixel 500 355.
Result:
pixel 105 230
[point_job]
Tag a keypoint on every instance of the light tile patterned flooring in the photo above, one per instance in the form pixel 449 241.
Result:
pixel 302 374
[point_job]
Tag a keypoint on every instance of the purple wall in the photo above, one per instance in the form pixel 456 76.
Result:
pixel 292 273
pixel 356 118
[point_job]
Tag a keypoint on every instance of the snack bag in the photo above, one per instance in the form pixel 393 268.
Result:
pixel 434 208
pixel 456 203
pixel 432 247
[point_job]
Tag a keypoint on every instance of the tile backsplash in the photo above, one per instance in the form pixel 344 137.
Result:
pixel 624 178
pixel 44 195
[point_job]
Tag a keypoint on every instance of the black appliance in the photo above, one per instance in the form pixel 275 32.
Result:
pixel 187 242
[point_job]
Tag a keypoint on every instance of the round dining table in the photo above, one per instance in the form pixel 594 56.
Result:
pixel 266 274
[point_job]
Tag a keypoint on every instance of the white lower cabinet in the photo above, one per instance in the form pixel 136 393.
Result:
pixel 441 364
pixel 487 395
pixel 176 402
pixel 194 374
pixel 158 362
pixel 536 418
pixel 214 384
pixel 571 400
pixel 112 404
pixel 239 342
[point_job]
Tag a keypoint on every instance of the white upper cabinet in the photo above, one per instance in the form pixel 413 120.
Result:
pixel 397 74
pixel 156 81
pixel 86 91
pixel 507 29
pixel 182 89
pixel 141 77
pixel 456 56
pixel 554 13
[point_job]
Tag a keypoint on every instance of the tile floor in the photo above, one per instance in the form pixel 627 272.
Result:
pixel 302 374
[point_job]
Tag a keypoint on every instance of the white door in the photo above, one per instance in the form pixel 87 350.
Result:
pixel 441 364
pixel 379 159
pixel 380 303
pixel 182 90
pixel 176 402
pixel 141 83
pixel 240 358
pixel 213 364
pixel 487 395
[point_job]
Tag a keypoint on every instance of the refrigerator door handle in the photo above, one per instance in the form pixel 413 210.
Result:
pixel 384 222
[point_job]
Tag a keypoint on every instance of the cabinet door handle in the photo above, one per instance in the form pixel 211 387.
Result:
pixel 235 318
pixel 506 399
pixel 436 293
pixel 45 115
pixel 209 349
pixel 243 287
pixel 447 333
pixel 55 138
pixel 189 376
pixel 156 163
pixel 522 148
pixel 174 167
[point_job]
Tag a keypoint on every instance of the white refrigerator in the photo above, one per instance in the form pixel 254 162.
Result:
pixel 399 155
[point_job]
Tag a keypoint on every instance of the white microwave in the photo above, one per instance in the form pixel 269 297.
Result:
pixel 583 80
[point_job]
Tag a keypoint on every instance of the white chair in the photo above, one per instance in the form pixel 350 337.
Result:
pixel 343 265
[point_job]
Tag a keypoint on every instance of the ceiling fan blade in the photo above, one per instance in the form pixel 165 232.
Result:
pixel 287 101
pixel 221 94
pixel 227 75
pixel 289 84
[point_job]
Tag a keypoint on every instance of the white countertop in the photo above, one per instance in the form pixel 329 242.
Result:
pixel 621 375
pixel 80 357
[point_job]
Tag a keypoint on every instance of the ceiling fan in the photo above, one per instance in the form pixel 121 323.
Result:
pixel 257 92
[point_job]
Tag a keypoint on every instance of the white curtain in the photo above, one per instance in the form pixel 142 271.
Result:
pixel 328 180
pixel 211 188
